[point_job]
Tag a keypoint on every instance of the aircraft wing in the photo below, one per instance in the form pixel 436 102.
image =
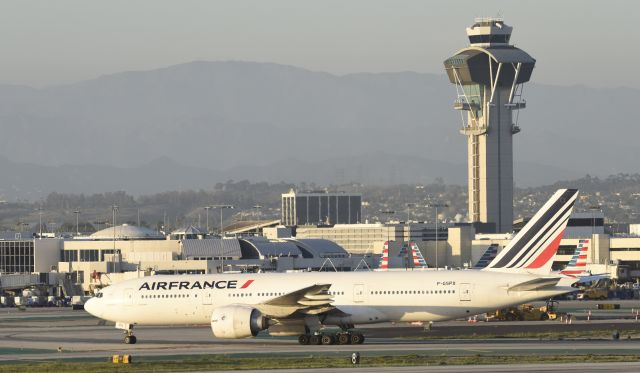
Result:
pixel 536 284
pixel 590 278
pixel 311 300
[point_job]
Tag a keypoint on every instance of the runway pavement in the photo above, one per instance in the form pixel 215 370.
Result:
pixel 37 334
pixel 582 368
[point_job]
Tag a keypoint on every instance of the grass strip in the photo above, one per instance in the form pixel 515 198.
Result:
pixel 578 334
pixel 220 362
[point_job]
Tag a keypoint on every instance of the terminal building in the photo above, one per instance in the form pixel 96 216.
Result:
pixel 128 251
pixel 460 246
pixel 85 263
pixel 321 207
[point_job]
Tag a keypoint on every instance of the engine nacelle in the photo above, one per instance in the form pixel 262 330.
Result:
pixel 237 321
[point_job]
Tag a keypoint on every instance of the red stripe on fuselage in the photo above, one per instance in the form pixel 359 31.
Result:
pixel 246 284
pixel 548 253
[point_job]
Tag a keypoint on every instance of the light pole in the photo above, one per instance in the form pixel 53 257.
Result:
pixel 437 205
pixel 221 208
pixel 593 209
pixel 77 212
pixel 409 206
pixel 114 210
pixel 40 221
pixel 207 208
pixel 363 218
pixel 388 213
pixel 257 207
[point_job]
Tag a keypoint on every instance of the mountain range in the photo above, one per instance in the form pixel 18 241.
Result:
pixel 191 125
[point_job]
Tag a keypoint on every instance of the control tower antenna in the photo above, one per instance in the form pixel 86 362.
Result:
pixel 489 75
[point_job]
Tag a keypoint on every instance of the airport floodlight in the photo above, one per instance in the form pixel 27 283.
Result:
pixel 207 208
pixel 77 212
pixel 436 206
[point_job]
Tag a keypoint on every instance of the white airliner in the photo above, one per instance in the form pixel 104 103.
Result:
pixel 301 304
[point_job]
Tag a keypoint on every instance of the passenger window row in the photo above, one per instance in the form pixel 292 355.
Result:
pixel 154 296
pixel 402 292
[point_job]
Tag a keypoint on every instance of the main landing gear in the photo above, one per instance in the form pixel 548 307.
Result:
pixel 129 338
pixel 341 338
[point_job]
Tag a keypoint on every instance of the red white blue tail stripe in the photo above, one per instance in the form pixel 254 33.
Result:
pixel 578 262
pixel 487 257
pixel 534 247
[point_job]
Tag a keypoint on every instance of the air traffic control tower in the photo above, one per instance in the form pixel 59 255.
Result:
pixel 489 76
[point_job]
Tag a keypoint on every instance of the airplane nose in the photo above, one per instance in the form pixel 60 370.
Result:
pixel 92 307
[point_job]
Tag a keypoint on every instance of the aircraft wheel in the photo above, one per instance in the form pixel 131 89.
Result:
pixel 544 317
pixel 130 339
pixel 344 338
pixel 357 338
pixel 315 339
pixel 327 339
pixel 303 339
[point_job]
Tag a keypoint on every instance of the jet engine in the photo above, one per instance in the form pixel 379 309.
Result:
pixel 237 321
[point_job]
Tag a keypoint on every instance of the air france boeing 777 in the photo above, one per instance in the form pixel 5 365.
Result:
pixel 301 304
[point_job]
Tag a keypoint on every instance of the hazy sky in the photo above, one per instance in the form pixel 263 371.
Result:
pixel 63 41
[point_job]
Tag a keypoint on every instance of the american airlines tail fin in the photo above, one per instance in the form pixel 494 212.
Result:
pixel 578 262
pixel 384 262
pixel 487 257
pixel 418 259
pixel 533 248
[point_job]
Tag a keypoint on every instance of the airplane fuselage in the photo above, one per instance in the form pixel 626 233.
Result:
pixel 367 297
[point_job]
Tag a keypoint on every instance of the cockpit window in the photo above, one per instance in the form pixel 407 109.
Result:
pixel 99 295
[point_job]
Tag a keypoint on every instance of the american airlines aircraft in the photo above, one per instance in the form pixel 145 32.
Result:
pixel 301 304
pixel 575 272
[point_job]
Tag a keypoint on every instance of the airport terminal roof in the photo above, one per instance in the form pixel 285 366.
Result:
pixel 320 248
pixel 189 230
pixel 244 226
pixel 127 232
pixel 261 248
pixel 211 247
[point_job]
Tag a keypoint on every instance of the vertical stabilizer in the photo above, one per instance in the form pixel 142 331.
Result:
pixel 578 262
pixel 487 257
pixel 418 259
pixel 384 262
pixel 533 248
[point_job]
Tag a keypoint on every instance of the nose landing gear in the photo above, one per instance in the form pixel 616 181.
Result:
pixel 129 338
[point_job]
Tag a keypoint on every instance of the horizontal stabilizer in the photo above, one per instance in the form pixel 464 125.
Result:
pixel 536 284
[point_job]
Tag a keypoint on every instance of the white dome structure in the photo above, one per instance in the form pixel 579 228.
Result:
pixel 189 232
pixel 127 232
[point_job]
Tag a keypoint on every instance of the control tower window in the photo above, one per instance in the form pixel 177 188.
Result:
pixel 504 38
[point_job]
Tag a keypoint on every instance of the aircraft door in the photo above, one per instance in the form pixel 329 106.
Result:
pixel 464 291
pixel 128 296
pixel 358 293
pixel 207 298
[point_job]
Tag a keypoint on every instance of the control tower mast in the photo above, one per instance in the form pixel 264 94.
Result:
pixel 489 77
